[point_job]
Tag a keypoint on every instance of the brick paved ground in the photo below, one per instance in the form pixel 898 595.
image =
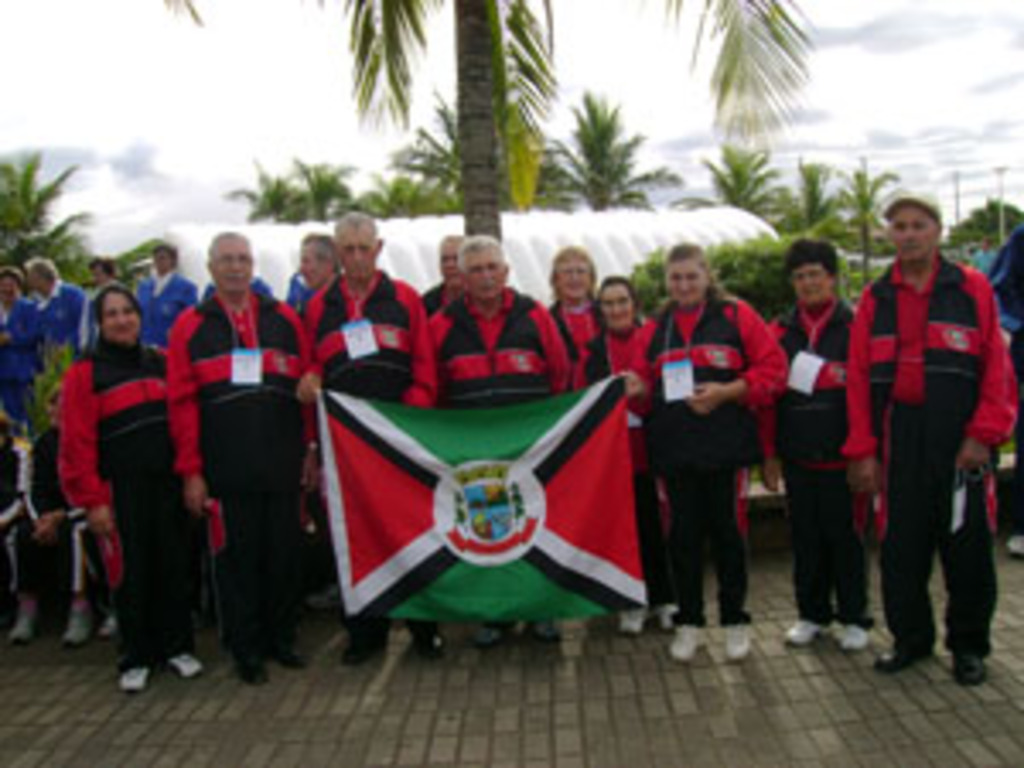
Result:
pixel 598 700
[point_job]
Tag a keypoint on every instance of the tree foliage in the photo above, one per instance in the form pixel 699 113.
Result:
pixel 983 223
pixel 28 226
pixel 599 161
pixel 310 192
pixel 743 179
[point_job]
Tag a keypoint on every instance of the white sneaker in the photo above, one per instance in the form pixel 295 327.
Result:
pixel 853 638
pixel 632 622
pixel 24 630
pixel 134 680
pixel 108 629
pixel 185 665
pixel 737 642
pixel 803 633
pixel 666 616
pixel 1015 545
pixel 79 628
pixel 685 644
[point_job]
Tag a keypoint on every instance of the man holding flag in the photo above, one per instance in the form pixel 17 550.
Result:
pixel 370 339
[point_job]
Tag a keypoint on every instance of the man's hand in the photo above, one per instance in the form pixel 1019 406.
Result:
pixel 5 338
pixel 45 530
pixel 309 388
pixel 865 475
pixel 972 454
pixel 196 495
pixel 635 387
pixel 771 474
pixel 100 519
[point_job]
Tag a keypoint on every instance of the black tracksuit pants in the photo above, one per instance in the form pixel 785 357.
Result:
pixel 257 572
pixel 705 505
pixel 828 547
pixel 71 558
pixel 653 552
pixel 920 520
pixel 152 599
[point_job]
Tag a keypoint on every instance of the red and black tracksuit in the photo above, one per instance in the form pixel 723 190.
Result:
pixel 827 521
pixel 486 362
pixel 401 370
pixel 578 326
pixel 247 440
pixel 115 450
pixel 704 458
pixel 608 354
pixel 926 370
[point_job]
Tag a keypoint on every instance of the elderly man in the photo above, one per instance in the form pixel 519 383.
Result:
pixel 369 338
pixel 451 286
pixel 318 265
pixel 929 398
pixel 233 367
pixel 63 308
pixel 496 347
pixel 164 296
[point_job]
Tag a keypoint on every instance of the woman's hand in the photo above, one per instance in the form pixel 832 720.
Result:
pixel 196 495
pixel 707 397
pixel 100 520
pixel 309 388
pixel 864 475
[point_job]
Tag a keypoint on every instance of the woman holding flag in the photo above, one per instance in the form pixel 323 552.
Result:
pixel 116 462
pixel 708 360
pixel 613 352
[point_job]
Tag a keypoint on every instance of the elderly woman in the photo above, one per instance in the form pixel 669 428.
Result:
pixel 709 360
pixel 116 462
pixel 609 353
pixel 573 281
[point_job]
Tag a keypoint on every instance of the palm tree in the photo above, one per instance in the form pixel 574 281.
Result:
pixel 506 83
pixel 435 156
pixel 275 198
pixel 861 199
pixel 324 193
pixel 813 208
pixel 404 196
pixel 744 180
pixel 600 160
pixel 27 227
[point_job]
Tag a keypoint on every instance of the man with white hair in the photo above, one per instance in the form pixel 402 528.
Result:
pixel 63 308
pixel 369 338
pixel 233 366
pixel 496 347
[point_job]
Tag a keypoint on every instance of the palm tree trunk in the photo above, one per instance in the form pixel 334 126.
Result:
pixel 477 128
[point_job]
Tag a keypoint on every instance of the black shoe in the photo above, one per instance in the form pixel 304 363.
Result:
pixel 898 660
pixel 289 659
pixel 430 647
pixel 357 654
pixel 251 671
pixel 969 669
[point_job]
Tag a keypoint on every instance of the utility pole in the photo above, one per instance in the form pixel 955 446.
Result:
pixel 956 198
pixel 1000 173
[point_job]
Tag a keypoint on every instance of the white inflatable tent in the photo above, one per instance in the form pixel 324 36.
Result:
pixel 617 240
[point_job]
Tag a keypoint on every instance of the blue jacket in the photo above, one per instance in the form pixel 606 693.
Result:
pixel 299 293
pixel 1007 276
pixel 63 317
pixel 258 286
pixel 19 359
pixel 160 312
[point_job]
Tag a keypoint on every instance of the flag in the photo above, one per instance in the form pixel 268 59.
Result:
pixel 517 513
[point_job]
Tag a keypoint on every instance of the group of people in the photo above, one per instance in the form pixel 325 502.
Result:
pixel 904 400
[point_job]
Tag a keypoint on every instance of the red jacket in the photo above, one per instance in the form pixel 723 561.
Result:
pixel 403 368
pixel 995 410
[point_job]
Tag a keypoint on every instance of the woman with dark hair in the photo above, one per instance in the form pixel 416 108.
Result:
pixel 709 360
pixel 116 462
pixel 612 352
pixel 808 427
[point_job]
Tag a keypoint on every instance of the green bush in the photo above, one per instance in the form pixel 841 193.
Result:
pixel 56 361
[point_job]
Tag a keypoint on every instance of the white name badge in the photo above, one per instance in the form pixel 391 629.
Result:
pixel 633 421
pixel 247 367
pixel 803 372
pixel 677 379
pixel 359 339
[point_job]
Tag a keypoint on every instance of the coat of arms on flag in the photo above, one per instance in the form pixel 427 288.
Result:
pixel 524 512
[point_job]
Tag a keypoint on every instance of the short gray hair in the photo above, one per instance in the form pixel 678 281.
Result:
pixel 41 267
pixel 356 220
pixel 221 237
pixel 322 247
pixel 478 244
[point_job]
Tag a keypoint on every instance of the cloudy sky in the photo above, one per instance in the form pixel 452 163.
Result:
pixel 163 117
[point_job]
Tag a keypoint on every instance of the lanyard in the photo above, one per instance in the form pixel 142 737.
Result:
pixel 814 328
pixel 687 343
pixel 236 337
pixel 358 304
